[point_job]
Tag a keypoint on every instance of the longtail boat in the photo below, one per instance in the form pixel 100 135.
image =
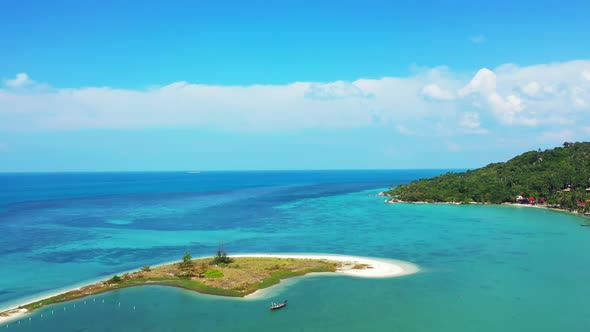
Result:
pixel 275 306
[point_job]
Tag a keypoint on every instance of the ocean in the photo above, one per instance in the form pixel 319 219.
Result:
pixel 485 268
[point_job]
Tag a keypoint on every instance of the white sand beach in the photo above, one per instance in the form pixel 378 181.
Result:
pixel 12 315
pixel 376 267
pixel 15 312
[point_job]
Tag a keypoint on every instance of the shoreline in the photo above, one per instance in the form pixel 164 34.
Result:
pixel 381 268
pixel 540 207
pixel 16 308
pixel 374 268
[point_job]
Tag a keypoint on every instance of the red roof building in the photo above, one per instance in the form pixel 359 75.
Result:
pixel 581 204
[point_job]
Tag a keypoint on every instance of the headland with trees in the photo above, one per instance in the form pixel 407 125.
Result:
pixel 558 178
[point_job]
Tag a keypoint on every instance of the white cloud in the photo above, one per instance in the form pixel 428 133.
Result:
pixel 470 120
pixel 335 90
pixel 483 88
pixel 537 91
pixel 484 82
pixel 478 39
pixel 404 130
pixel 21 80
pixel 435 92
pixel 586 75
pixel 533 89
pixel 509 96
pixel 578 96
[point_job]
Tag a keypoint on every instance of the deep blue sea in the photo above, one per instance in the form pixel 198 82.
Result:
pixel 485 268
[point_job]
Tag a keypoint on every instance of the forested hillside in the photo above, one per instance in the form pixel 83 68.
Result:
pixel 547 174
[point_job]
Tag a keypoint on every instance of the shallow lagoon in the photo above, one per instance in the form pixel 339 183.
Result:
pixel 484 267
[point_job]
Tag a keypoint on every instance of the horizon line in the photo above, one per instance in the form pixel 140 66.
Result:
pixel 236 170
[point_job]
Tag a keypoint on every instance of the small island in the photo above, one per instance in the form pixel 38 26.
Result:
pixel 555 178
pixel 238 276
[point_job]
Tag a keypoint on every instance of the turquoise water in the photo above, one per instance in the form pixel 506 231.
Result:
pixel 484 268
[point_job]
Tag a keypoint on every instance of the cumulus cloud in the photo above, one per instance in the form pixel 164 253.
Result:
pixel 21 80
pixel 335 90
pixel 484 82
pixel 435 92
pixel 404 130
pixel 508 109
pixel 579 96
pixel 532 89
pixel 470 120
pixel 509 96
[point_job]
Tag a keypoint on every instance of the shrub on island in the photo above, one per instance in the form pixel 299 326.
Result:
pixel 221 258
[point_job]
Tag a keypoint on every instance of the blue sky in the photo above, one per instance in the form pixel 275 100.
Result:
pixel 89 85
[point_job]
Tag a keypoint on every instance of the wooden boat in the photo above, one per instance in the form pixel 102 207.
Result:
pixel 275 306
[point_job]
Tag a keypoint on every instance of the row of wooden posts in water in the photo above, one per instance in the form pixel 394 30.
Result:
pixel 53 313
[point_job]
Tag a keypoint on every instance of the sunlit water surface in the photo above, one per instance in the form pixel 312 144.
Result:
pixel 484 268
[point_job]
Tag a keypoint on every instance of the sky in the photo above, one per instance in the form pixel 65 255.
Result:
pixel 261 85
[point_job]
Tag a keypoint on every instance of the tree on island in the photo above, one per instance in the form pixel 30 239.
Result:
pixel 186 266
pixel 187 261
pixel 221 257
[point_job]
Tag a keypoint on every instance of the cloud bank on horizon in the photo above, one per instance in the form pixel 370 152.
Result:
pixel 551 100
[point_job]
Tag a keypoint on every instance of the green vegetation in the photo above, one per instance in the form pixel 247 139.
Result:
pixel 187 262
pixel 221 257
pixel 558 175
pixel 213 274
pixel 361 266
pixel 240 277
